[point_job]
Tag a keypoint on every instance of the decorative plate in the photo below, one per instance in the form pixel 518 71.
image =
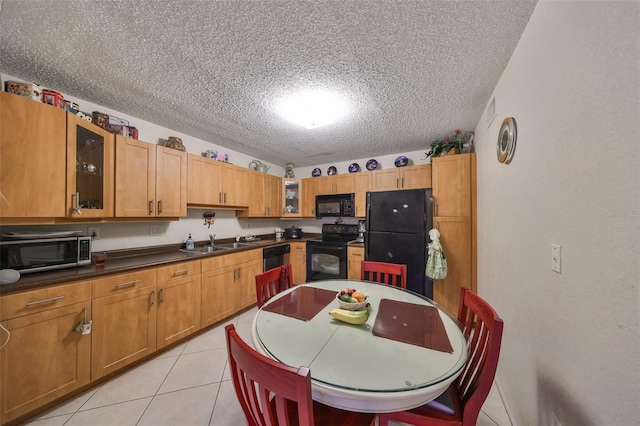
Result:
pixel 506 146
pixel 354 167
pixel 332 171
pixel 401 161
pixel 372 164
pixel 316 172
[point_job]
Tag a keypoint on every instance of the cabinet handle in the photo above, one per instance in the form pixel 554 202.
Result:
pixel 182 272
pixel 397 183
pixel 224 200
pixel 160 206
pixel 76 207
pixel 51 299
pixel 435 208
pixel 152 298
pixel 219 197
pixel 402 182
pixel 235 274
pixel 151 207
pixel 239 273
pixel 162 295
pixel 127 284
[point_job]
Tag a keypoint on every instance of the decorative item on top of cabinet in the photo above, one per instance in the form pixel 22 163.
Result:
pixel 42 322
pixel 449 145
pixel 175 142
pixel 289 171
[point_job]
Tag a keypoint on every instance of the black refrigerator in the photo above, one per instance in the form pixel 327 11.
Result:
pixel 397 231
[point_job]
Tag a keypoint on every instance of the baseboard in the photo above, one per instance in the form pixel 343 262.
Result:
pixel 505 401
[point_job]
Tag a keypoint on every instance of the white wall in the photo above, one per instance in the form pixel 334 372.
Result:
pixel 571 340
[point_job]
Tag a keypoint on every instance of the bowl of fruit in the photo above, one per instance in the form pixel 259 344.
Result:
pixel 352 299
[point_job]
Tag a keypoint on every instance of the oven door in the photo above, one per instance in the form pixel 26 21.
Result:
pixel 326 261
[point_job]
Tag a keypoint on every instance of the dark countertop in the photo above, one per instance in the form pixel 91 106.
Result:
pixel 119 261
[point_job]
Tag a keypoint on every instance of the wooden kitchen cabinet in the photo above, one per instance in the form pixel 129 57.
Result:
pixel 178 302
pixel 355 256
pixel 454 196
pixel 45 358
pixel 124 320
pixel 214 183
pixel 362 183
pixel 408 177
pixel 264 194
pixel 335 184
pixel 292 197
pixel 228 284
pixel 308 198
pixel 90 170
pixel 32 159
pixel 299 262
pixel 151 180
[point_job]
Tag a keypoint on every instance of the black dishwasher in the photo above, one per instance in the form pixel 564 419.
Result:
pixel 275 256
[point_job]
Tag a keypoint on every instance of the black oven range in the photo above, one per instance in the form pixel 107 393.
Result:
pixel 327 258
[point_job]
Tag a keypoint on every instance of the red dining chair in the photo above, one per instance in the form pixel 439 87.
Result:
pixel 272 393
pixel 272 282
pixel 483 329
pixel 386 273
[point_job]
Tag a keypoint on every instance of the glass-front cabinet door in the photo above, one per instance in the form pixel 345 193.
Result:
pixel 90 168
pixel 292 197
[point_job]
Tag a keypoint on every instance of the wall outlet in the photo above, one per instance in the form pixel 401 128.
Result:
pixel 155 230
pixel 556 258
pixel 94 233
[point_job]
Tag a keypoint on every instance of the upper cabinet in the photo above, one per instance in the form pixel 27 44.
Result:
pixel 308 197
pixel 335 184
pixel 32 159
pixel 293 197
pixel 90 170
pixel 151 180
pixel 213 183
pixel 362 184
pixel 409 177
pixel 265 195
pixel 452 185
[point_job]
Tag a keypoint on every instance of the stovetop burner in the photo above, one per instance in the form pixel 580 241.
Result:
pixel 334 232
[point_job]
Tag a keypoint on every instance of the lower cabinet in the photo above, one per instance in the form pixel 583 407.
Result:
pixel 228 284
pixel 179 308
pixel 124 321
pixel 45 358
pixel 355 256
pixel 299 262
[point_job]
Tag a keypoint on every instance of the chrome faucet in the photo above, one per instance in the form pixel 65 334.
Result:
pixel 212 239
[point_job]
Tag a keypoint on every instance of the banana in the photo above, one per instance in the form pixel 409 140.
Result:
pixel 351 317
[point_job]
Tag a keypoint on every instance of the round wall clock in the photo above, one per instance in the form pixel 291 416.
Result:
pixel 506 145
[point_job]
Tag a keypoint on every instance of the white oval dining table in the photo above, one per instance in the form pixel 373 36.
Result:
pixel 353 369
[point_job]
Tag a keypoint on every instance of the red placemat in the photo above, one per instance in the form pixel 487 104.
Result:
pixel 302 303
pixel 411 323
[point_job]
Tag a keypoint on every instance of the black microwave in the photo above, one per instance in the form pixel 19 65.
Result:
pixel 335 205
pixel 45 254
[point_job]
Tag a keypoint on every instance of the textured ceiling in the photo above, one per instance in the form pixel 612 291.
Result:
pixel 413 71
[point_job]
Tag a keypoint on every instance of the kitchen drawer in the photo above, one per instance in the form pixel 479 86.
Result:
pixel 355 252
pixel 217 262
pixel 43 299
pixel 121 283
pixel 178 270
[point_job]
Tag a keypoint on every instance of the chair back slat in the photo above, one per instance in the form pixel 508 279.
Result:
pixel 385 273
pixel 270 393
pixel 483 329
pixel 272 282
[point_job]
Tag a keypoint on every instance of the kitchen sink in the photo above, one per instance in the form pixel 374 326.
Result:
pixel 206 249
pixel 237 244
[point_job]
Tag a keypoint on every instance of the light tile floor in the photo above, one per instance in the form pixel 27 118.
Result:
pixel 187 385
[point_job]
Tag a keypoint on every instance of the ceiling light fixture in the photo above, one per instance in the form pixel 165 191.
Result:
pixel 313 109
